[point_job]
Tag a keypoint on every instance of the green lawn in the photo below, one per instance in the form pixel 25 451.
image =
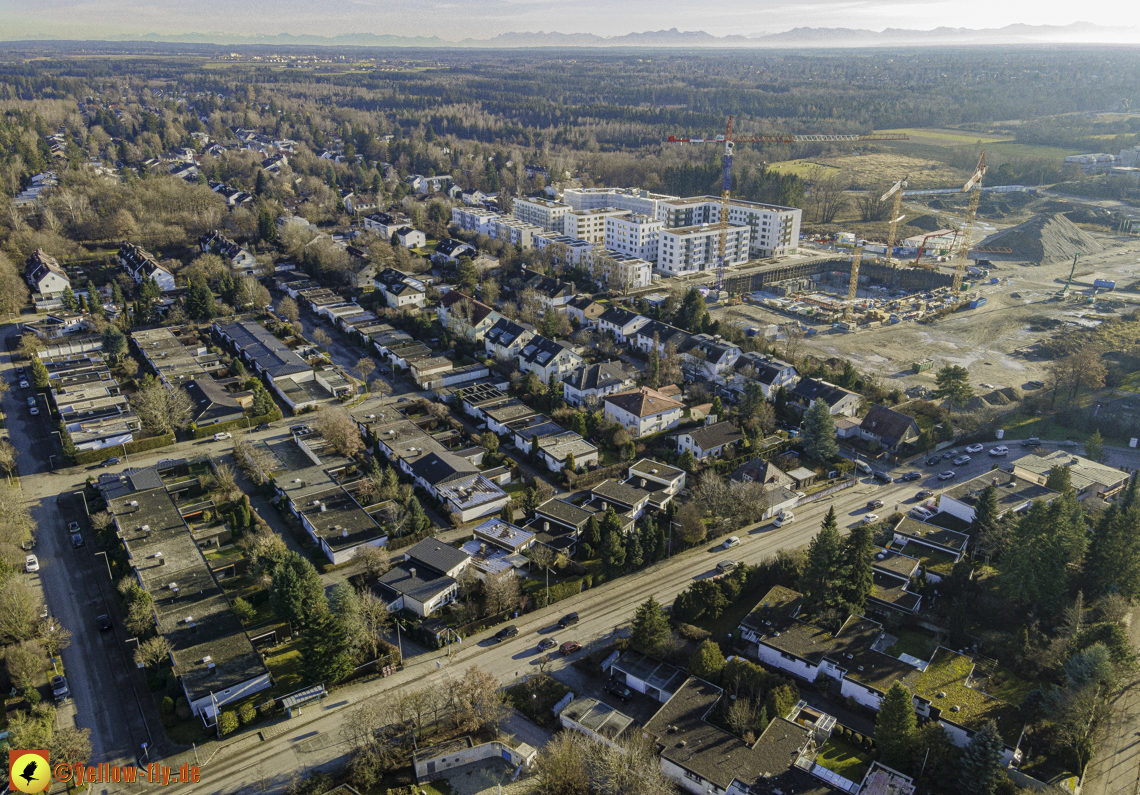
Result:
pixel 916 644
pixel 946 137
pixel 1008 686
pixel 844 760
pixel 285 665
pixel 729 620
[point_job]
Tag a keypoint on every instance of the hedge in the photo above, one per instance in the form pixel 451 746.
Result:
pixel 138 446
pixel 558 592
pixel 209 430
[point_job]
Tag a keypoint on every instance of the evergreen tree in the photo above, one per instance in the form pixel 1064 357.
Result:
pixel 200 300
pixel 1036 574
pixel 262 402
pixel 549 324
pixel 818 429
pixel 1112 561
pixel 1059 479
pixel 707 662
pixel 653 367
pixel 68 446
pixel 824 568
pixel 649 539
pixel 40 376
pixel 859 552
pixel 1094 447
pixel 981 762
pixel 610 522
pixel 467 277
pixel 634 554
pixel 95 301
pixel 896 727
pixel 266 227
pixel 83 304
pixel 660 545
pixel 693 315
pixel 259 183
pixel 327 657
pixel 985 520
pixel 954 385
pixel 717 408
pixel 417 519
pixel 508 512
pixel 578 424
pixel 687 461
pixel 649 628
pixel 613 552
pixel 296 592
pixel 117 294
pixel 70 302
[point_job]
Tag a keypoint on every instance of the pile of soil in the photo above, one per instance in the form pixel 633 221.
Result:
pixel 1044 240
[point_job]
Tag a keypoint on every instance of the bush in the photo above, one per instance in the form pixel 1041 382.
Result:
pixel 695 634
pixel 137 446
pixel 248 713
pixel 228 722
pixel 182 709
pixel 167 706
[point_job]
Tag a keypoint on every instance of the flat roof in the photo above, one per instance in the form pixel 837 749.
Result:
pixel 1012 492
pixel 600 718
pixel 930 534
pixel 950 673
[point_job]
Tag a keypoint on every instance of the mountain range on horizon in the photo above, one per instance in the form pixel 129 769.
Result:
pixel 804 37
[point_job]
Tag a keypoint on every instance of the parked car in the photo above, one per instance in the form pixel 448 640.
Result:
pixel 949 474
pixel 547 643
pixel 921 513
pixel 24 385
pixel 569 647
pixel 73 527
pixel 784 518
pixel 1034 384
pixel 909 476
pixel 873 504
pixel 730 542
pixel 262 427
pixel 922 495
pixel 34 411
pixel 863 466
pixel 999 451
pixel 975 448
pixel 568 620
pixel 934 460
pixel 104 622
pixel 870 518
pixel 110 462
pixel 883 477
pixel 506 633
pixel 949 454
pixel 59 687
pixel 1032 441
pixel 77 540
pixel 31 563
pixel 299 429
pixel 618 689
pixel 725 566
pixel 220 437
pixel 962 459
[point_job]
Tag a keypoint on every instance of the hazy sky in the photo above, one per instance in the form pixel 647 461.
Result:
pixel 458 19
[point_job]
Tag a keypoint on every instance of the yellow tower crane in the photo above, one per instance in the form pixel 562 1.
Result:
pixel 897 191
pixel 973 186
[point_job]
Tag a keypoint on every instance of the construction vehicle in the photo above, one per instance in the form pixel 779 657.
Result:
pixel 973 186
pixel 1073 270
pixel 922 245
pixel 726 169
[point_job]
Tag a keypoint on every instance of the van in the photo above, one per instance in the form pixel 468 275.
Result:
pixel 784 518
pixel 863 467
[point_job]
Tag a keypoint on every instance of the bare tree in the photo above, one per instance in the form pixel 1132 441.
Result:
pixel 288 310
pixel 322 338
pixel 501 592
pixel 478 700
pixel 340 430
pixel 30 345
pixel 375 622
pixel 25 662
pixel 793 337
pixel 561 767
pixel 375 560
pixel 825 196
pixel 254 459
pixel 364 367
pixel 7 457
pixel 670 364
pixel 19 612
pixel 53 636
pixel 153 652
pixel 741 716
pixel 871 205
pixel 160 409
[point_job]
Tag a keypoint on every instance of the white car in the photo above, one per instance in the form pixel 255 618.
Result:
pixel 24 385
pixel 31 563
pixel 975 448
pixel 949 474
pixel 218 437
pixel 33 410
pixel 921 513
pixel 999 451
pixel 784 518
pixel 962 459
pixel 731 541
pixel 870 518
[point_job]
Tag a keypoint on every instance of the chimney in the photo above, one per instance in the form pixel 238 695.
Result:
pixel 482 549
pixel 546 526
pixel 412 572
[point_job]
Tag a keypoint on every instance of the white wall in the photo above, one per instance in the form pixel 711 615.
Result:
pixel 205 704
pixel 793 665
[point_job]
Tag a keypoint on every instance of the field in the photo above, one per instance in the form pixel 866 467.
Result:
pixel 805 169
pixel 937 137
pixel 867 170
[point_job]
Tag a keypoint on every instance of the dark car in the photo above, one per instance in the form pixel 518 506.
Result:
pixel 59 687
pixel 909 476
pixel 883 477
pixel 873 504
pixel 547 643
pixel 110 462
pixel 506 632
pixel 936 459
pixel 618 689
pixel 104 622
pixel 262 427
pixel 568 620
pixel 77 540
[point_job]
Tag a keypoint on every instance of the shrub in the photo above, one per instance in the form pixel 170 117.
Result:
pixel 182 709
pixel 228 722
pixel 694 634
pixel 248 713
pixel 856 738
pixel 266 709
pixel 167 706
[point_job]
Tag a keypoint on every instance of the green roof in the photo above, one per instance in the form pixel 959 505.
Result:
pixel 944 684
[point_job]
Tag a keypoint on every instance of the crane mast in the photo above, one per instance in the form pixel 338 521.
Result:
pixel 974 187
pixel 896 189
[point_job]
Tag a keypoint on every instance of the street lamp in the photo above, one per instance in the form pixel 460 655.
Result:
pixel 108 562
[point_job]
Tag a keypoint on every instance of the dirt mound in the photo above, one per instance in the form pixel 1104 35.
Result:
pixel 1043 239
pixel 927 223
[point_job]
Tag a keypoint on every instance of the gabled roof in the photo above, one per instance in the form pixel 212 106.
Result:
pixel 888 424
pixel 618 317
pixel 439 468
pixel 40 263
pixel 643 402
pixel 505 332
pixel 547 285
pixel 449 245
pixel 811 389
pixel 716 435
pixel 436 555
pixel 211 400
pixel 479 311
pixel 541 351
pixel 665 333
pixel 597 376
pixel 766 368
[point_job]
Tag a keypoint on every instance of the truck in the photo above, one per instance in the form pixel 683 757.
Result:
pixel 977 302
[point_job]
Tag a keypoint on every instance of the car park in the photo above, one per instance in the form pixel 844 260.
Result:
pixel 883 477
pixel 962 459
pixel 568 620
pixel 873 504
pixel 725 566
pixel 616 688
pixel 59 687
pixel 104 622
pixel 218 437
pixel 730 542
pixel 784 518
pixel 975 448
pixel 506 633
pixel 870 518
pixel 569 647
pixel 999 451
pixel 31 563
pixel 949 474
pixel 547 643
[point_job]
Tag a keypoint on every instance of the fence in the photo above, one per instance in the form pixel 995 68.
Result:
pixel 139 446
pixel 819 495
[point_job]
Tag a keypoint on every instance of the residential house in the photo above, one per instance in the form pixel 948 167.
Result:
pixel 556 451
pixel 238 258
pixel 889 428
pixel 548 290
pixel 449 251
pixel 660 481
pixel 840 401
pixel 506 339
pixel 891 575
pixel 1014 494
pixel 44 274
pixel 548 359
pixel 213 404
pixel 464 315
pixel 709 357
pixel 559 524
pixel 938 548
pixel 761 471
pixel 338 524
pixel 1086 476
pixel 622 497
pixel 666 335
pixel 770 373
pixel 585 310
pixel 709 441
pixel 385 224
pixel 588 384
pixel 621 323
pixel 140 264
pixel 503 535
pixel 643 411
pixel 457 483
pixel 425 580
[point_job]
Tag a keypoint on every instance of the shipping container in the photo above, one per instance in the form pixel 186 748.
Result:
pixel 977 302
pixel 922 366
pixel 1104 284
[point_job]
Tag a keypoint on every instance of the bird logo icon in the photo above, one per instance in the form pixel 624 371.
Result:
pixel 28 771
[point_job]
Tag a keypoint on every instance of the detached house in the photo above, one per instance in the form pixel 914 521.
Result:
pixel 840 401
pixel 889 428
pixel 709 441
pixel 588 384
pixel 586 310
pixel 44 274
pixel 449 251
pixel 236 257
pixel 622 323
pixel 506 339
pixel 770 373
pixel 550 291
pixel 548 359
pixel 463 315
pixel 425 580
pixel 643 411
pixel 709 357
pixel 140 264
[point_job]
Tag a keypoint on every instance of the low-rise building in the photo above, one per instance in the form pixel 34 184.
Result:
pixel 770 373
pixel 660 481
pixel 141 265
pixel 889 428
pixel 238 258
pixel 338 524
pixel 840 401
pixel 559 450
pixel 448 251
pixel 587 384
pixel 44 275
pixel 585 310
pixel 710 440
pixel 548 290
pixel 621 323
pixel 464 315
pixel 385 224
pixel 643 411
pixel 1086 476
pixel 548 359
pixel 506 339
pixel 1014 494
pixel 425 580
pixel 411 238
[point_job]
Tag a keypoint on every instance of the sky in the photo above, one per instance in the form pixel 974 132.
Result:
pixel 454 20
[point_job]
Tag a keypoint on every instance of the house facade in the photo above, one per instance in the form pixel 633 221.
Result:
pixel 643 411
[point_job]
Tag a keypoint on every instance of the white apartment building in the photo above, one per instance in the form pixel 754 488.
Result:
pixel 613 270
pixel 514 231
pixel 694 248
pixel 474 219
pixel 567 250
pixel 637 201
pixel 589 225
pixel 540 212
pixel 634 234
pixel 775 229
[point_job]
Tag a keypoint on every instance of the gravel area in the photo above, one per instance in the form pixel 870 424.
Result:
pixel 485 778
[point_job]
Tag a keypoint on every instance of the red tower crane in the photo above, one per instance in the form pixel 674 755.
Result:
pixel 726 172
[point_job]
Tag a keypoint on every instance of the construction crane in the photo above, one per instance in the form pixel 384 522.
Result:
pixel 973 186
pixel 853 285
pixel 897 191
pixel 1065 289
pixel 726 171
